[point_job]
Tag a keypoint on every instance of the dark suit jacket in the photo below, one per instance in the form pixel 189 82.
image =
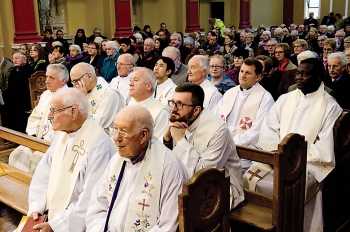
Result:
pixel 331 21
pixel 340 88
pixel 5 70
pixel 309 21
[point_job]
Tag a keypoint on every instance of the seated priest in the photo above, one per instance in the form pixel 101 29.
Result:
pixel 310 111
pixel 139 189
pixel 65 176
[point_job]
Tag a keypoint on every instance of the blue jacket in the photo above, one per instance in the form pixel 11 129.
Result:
pixel 109 70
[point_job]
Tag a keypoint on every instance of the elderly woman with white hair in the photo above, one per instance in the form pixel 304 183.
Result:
pixel 74 56
pixel 190 44
pixel 266 35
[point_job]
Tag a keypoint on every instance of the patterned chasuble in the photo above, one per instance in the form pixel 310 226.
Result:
pixel 145 196
pixel 65 169
pixel 96 94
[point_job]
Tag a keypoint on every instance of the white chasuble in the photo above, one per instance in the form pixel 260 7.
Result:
pixel 211 95
pixel 310 129
pixel 146 191
pixel 68 159
pixel 249 110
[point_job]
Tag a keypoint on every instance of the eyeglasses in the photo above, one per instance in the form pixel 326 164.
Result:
pixel 124 134
pixel 76 81
pixel 216 67
pixel 279 52
pixel 302 73
pixel 320 40
pixel 178 105
pixel 271 45
pixel 121 64
pixel 54 112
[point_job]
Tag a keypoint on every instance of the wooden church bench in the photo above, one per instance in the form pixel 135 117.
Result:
pixel 204 204
pixel 336 188
pixel 285 210
pixel 14 184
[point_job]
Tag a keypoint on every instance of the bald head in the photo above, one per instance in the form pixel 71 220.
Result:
pixel 83 77
pixel 138 116
pixel 133 129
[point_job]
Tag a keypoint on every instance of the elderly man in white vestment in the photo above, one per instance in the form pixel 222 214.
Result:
pixel 142 87
pixel 64 178
pixel 38 124
pixel 165 87
pixel 104 101
pixel 201 139
pixel 198 69
pixel 244 107
pixel 309 111
pixel 140 187
pixel 125 65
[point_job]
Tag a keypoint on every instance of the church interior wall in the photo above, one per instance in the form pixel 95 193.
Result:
pixel 7 27
pixel 171 12
pixel 267 12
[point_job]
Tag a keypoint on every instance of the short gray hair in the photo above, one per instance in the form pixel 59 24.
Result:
pixel 278 29
pixel 267 33
pixel 113 44
pixel 171 50
pixel 178 36
pixel 77 47
pixel 73 96
pixel 149 75
pixel 203 63
pixel 61 70
pixel 293 33
pixel 306 55
pixel 339 55
pixel 129 57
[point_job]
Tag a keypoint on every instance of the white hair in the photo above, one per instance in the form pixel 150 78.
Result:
pixel 339 55
pixel 77 47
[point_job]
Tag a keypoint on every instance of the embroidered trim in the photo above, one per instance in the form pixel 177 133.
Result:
pixel 141 222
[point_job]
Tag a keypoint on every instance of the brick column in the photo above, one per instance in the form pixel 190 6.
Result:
pixel 25 27
pixel 122 18
pixel 244 17
pixel 192 16
pixel 288 11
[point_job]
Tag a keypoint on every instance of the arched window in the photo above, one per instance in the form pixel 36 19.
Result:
pixel 312 6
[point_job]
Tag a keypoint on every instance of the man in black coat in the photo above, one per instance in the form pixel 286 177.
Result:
pixel 338 79
pixel 149 57
pixel 311 20
pixel 17 96
pixel 328 19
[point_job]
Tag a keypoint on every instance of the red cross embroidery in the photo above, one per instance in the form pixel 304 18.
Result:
pixel 143 205
pixel 245 123
pixel 254 174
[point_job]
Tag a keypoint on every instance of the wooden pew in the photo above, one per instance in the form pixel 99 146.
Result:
pixel 204 204
pixel 336 189
pixel 285 210
pixel 14 184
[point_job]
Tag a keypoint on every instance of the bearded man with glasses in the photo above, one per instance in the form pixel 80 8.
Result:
pixel 201 139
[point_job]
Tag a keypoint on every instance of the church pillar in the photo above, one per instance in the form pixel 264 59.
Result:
pixel 288 6
pixel 192 16
pixel 244 16
pixel 25 26
pixel 122 18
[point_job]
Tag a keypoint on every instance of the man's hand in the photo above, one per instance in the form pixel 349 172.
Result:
pixel 35 215
pixel 51 59
pixel 177 130
pixel 81 86
pixel 43 227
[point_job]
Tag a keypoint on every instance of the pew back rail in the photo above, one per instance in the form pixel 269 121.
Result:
pixel 14 184
pixel 285 210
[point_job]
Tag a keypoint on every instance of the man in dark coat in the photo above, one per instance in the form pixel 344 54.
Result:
pixel 17 96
